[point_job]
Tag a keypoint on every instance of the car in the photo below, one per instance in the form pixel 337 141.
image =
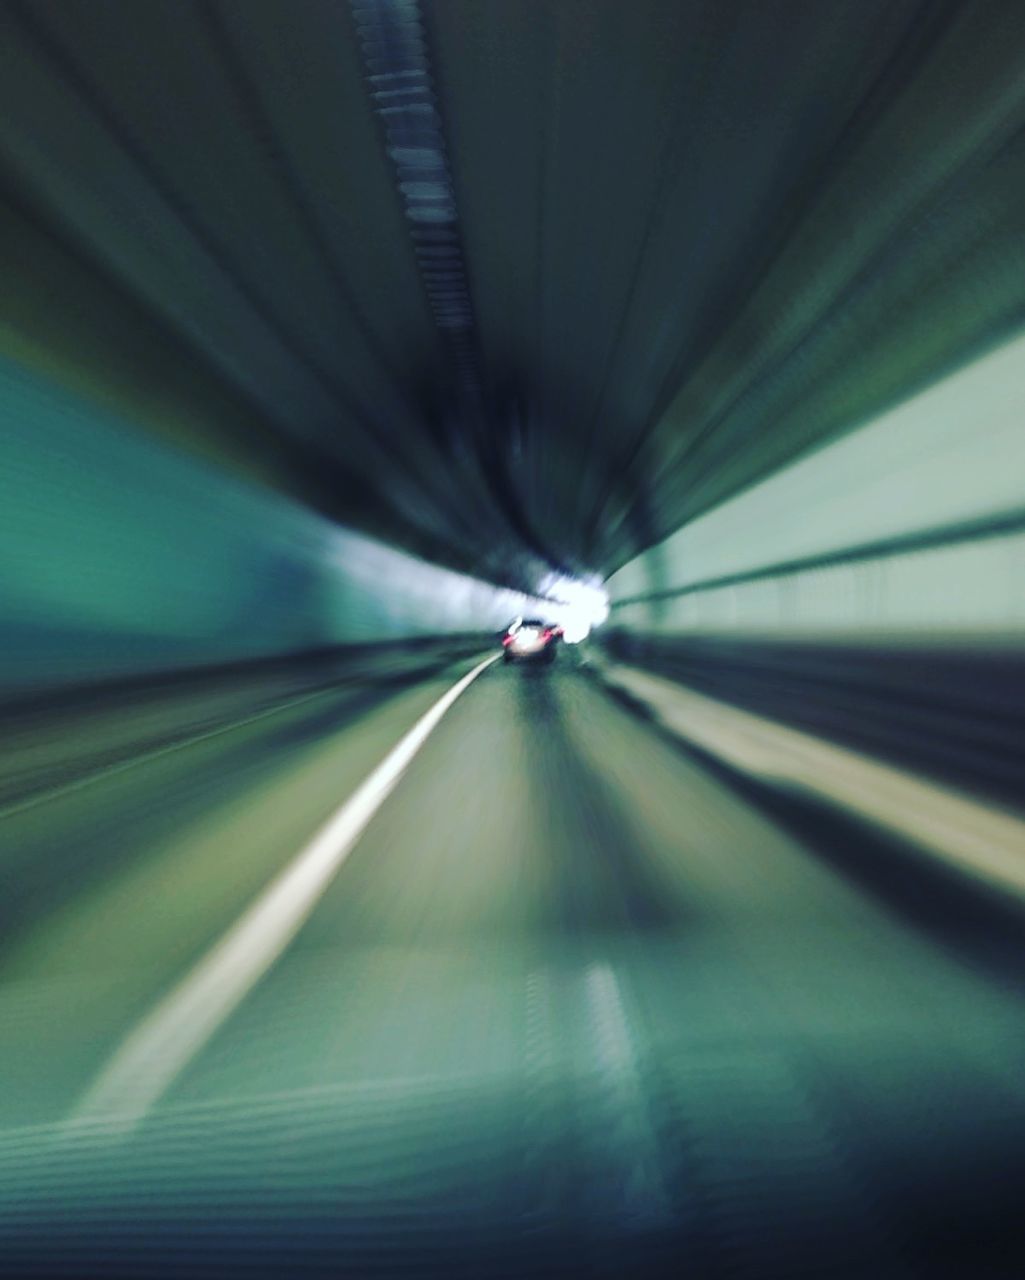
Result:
pixel 531 640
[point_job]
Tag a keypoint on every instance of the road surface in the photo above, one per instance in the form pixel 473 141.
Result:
pixel 574 1003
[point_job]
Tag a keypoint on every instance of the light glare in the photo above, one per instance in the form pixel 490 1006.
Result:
pixel 581 605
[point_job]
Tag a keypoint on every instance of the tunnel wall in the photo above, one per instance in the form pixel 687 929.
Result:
pixel 873 591
pixel 120 555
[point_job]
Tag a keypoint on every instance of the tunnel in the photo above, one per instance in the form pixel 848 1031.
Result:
pixel 512 638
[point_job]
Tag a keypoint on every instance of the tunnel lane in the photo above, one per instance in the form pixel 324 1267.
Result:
pixel 164 1043
pixel 569 996
pixel 335 335
pixel 114 885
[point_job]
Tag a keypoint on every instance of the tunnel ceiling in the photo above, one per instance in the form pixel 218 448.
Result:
pixel 654 251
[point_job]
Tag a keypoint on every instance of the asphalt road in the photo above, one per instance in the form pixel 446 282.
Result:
pixel 574 1004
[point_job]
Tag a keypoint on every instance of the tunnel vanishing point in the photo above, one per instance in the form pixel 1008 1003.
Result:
pixel 355 354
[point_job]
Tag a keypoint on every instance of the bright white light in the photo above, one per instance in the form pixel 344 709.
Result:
pixel 581 604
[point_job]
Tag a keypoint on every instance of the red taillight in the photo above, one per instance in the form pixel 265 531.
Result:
pixel 506 640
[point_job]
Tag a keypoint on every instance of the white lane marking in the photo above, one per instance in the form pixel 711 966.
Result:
pixel 103 772
pixel 983 840
pixel 169 1037
pixel 626 1146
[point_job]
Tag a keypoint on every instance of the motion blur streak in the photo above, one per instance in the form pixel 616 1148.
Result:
pixel 163 1045
pixel 979 839
pixel 124 557
pixel 911 526
pixel 337 340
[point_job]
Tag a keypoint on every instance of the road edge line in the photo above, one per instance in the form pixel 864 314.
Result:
pixel 168 1038
pixel 975 839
